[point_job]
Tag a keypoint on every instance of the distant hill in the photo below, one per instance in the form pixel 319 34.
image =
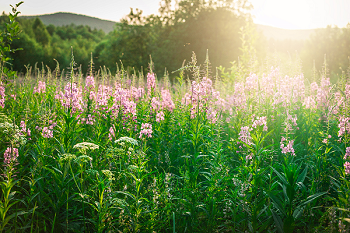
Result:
pixel 65 18
pixel 283 34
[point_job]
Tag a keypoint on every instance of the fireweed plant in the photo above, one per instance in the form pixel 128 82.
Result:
pixel 134 153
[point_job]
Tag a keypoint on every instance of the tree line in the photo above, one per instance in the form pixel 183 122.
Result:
pixel 171 37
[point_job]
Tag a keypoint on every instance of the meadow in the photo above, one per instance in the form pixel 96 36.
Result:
pixel 262 152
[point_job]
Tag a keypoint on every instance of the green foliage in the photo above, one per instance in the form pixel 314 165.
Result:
pixel 7 36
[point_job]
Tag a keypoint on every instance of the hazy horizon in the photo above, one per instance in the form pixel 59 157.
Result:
pixel 297 14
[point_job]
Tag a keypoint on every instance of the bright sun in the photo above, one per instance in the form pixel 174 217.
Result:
pixel 301 14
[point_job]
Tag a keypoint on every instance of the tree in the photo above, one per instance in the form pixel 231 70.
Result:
pixel 41 34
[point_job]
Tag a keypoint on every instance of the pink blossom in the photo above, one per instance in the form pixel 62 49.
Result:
pixel 347 168
pixel 151 83
pixel 288 148
pixel 71 98
pixel 155 103
pixel 104 93
pixel 137 93
pixel 244 135
pixel 10 155
pixel 41 88
pixel 2 95
pixel 260 121
pixel 160 116
pixel 212 115
pixel 167 102
pixel 111 133
pixel 47 133
pixel 347 153
pixel 89 82
pixel 146 129
pixel 344 126
pixel 249 157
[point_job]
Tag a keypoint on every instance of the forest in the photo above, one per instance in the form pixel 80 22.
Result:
pixel 223 28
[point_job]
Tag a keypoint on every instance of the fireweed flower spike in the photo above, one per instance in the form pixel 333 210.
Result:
pixel 146 129
pixel 2 95
pixel 289 148
pixel 41 88
pixel 347 168
pixel 151 83
pixel 10 155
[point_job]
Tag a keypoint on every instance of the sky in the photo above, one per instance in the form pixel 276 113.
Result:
pixel 288 14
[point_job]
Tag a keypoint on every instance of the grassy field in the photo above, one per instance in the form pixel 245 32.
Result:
pixel 127 153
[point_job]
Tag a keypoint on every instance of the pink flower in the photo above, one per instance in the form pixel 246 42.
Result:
pixel 288 148
pixel 146 129
pixel 244 135
pixel 151 83
pixel 111 134
pixel 2 95
pixel 10 155
pixel 347 153
pixel 167 102
pixel 249 157
pixel 160 116
pixel 47 133
pixel 155 103
pixel 260 121
pixel 71 98
pixel 344 126
pixel 89 82
pixel 41 88
pixel 347 168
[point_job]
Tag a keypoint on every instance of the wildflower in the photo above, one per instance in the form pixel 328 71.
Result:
pixel 244 135
pixel 151 83
pixel 10 133
pixel 128 140
pixel 71 98
pixel 108 174
pixel 146 129
pixel 289 148
pixel 347 153
pixel 89 82
pixel 2 95
pixel 259 122
pixel 160 116
pixel 47 133
pixel 344 126
pixel 41 88
pixel 347 168
pixel 104 93
pixel 83 146
pixel 67 157
pixel 83 159
pixel 137 93
pixel 111 133
pixel 10 155
pixel 167 102
pixel 211 115
pixel 155 103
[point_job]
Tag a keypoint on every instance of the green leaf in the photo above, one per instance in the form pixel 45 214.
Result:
pixel 312 197
pixel 302 176
pixel 278 222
